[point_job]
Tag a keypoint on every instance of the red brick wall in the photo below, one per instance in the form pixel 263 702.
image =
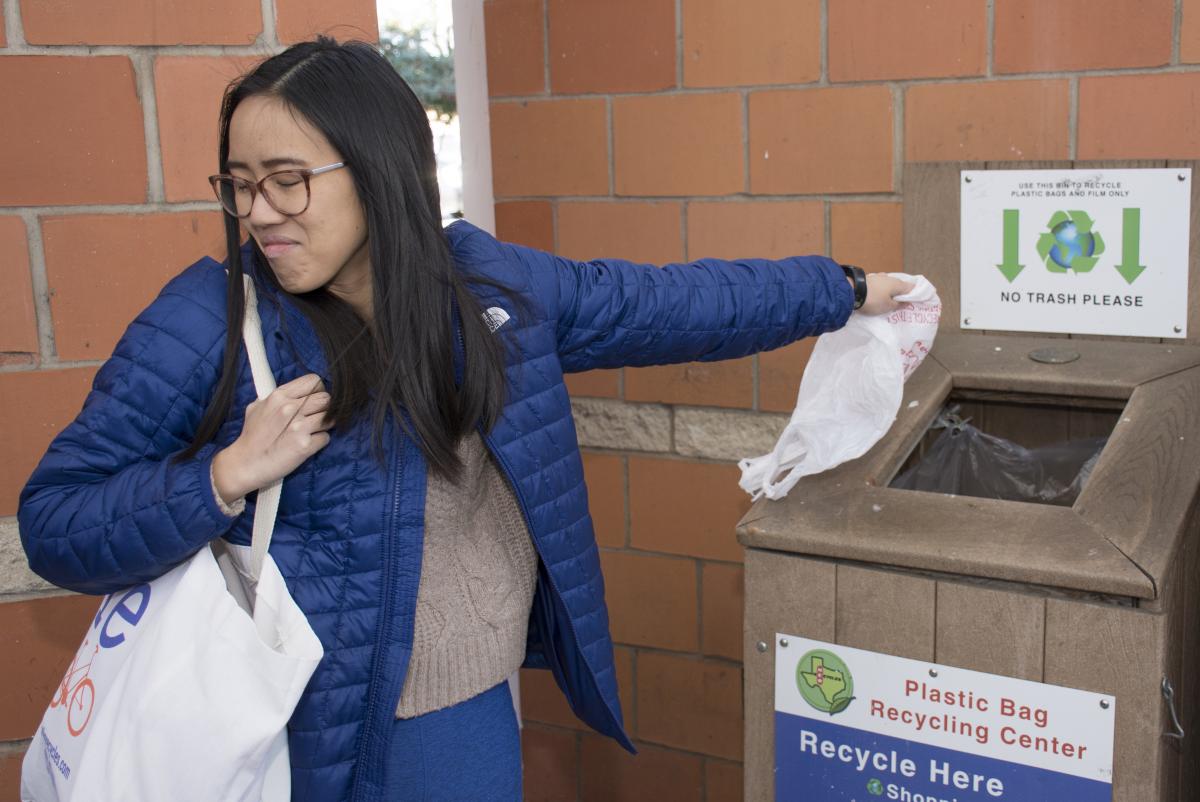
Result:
pixel 109 130
pixel 660 130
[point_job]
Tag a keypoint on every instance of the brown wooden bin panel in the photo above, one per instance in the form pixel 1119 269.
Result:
pixel 1119 651
pixel 789 594
pixel 885 611
pixel 990 630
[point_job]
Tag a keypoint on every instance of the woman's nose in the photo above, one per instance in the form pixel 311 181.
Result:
pixel 262 212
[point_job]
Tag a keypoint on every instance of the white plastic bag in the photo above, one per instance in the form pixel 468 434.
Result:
pixel 183 686
pixel 850 392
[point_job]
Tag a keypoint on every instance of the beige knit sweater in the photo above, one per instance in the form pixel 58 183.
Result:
pixel 476 588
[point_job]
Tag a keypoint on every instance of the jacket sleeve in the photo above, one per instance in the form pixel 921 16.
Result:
pixel 107 506
pixel 612 313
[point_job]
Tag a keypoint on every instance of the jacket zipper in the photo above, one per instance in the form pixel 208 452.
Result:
pixel 508 476
pixel 362 779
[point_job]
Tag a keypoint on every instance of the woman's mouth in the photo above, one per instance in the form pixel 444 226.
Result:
pixel 274 248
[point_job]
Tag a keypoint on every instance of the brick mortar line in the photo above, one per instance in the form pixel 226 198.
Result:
pixel 741 197
pixel 691 657
pixel 990 44
pixel 553 222
pixel 40 282
pixel 270 32
pixel 611 146
pixel 699 606
pixel 755 377
pixel 694 656
pixel 14 26
pixel 898 141
pixel 633 452
pixel 14 747
pixel 1176 32
pixel 683 230
pixel 823 44
pixel 36 595
pixel 1073 118
pixel 827 227
pixel 744 411
pixel 627 535
pixel 545 46
pixel 578 739
pixel 143 67
pixel 150 207
pixel 905 83
pixel 22 49
pixel 559 728
pixel 640 552
pixel 679 43
pixel 745 141
pixel 53 363
pixel 633 701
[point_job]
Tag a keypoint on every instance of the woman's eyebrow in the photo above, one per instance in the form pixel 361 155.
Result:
pixel 279 161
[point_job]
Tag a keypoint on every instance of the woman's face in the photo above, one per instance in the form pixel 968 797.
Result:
pixel 326 244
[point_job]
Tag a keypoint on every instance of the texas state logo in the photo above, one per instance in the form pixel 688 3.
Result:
pixel 825 682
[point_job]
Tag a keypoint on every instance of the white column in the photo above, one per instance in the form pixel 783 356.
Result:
pixel 470 79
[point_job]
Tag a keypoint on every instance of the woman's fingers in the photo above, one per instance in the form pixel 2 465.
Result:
pixel 305 385
pixel 316 404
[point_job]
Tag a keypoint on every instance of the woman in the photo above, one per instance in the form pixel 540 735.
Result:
pixel 433 524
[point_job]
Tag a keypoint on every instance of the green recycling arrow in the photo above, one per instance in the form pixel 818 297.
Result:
pixel 1010 268
pixel 1131 245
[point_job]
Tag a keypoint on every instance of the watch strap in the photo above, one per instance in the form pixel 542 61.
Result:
pixel 859 277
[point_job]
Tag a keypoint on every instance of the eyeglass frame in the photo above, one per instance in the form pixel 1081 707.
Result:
pixel 256 188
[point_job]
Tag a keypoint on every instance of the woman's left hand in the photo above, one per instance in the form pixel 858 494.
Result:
pixel 882 290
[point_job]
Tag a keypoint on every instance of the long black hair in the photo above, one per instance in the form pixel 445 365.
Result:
pixel 404 365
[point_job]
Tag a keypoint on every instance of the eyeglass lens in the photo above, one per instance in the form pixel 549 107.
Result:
pixel 287 192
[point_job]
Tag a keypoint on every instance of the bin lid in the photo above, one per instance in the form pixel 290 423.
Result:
pixel 1118 539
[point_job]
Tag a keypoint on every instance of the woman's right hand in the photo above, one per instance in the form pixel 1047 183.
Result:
pixel 280 432
pixel 882 290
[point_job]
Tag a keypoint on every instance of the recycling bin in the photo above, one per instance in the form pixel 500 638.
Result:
pixel 1100 594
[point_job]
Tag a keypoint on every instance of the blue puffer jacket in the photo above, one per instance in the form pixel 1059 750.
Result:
pixel 107 508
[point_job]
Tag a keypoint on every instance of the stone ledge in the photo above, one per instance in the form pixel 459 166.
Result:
pixel 605 423
pixel 723 434
pixel 15 576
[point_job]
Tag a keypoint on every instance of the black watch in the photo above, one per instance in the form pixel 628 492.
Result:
pixel 859 277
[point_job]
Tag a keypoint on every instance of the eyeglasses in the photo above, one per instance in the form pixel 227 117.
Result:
pixel 286 191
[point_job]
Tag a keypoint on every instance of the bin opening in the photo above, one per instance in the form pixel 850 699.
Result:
pixel 1036 449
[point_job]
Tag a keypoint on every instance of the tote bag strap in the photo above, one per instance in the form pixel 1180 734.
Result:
pixel 267 505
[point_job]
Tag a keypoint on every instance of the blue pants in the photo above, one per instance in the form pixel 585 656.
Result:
pixel 470 751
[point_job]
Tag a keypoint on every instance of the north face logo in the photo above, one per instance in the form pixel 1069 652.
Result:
pixel 495 317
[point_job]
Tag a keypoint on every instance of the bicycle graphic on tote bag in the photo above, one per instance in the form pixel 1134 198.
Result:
pixel 79 695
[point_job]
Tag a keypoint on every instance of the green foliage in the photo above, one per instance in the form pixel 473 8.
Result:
pixel 426 63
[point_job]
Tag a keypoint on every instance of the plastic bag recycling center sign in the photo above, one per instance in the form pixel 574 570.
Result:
pixel 1076 251
pixel 858 726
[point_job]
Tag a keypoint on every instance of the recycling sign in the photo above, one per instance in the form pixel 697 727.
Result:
pixel 1076 251
pixel 856 726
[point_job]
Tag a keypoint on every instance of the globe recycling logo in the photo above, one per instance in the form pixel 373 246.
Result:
pixel 824 681
pixel 1071 243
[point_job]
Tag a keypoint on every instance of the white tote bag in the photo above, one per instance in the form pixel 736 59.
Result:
pixel 850 392
pixel 183 687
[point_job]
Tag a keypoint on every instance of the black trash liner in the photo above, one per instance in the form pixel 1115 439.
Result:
pixel 965 461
